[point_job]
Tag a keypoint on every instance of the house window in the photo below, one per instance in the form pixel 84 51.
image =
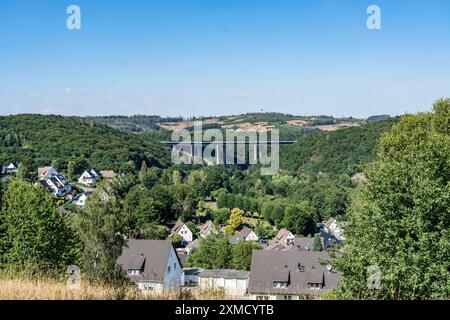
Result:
pixel 279 284
pixel 134 272
pixel 148 287
pixel 315 286
pixel 262 297
pixel 168 269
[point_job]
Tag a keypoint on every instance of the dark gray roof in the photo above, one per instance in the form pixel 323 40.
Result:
pixel 151 254
pixel 314 276
pixel 192 271
pixel 136 262
pixel 281 275
pixel 275 246
pixel 182 256
pixel 269 266
pixel 225 273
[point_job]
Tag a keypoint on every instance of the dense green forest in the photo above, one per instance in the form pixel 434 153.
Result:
pixel 38 140
pixel 335 153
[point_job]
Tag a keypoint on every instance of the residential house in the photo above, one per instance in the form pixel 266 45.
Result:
pixel 182 229
pixel 234 282
pixel 46 172
pixel 88 177
pixel 207 228
pixel 192 245
pixel 152 265
pixel 52 180
pixel 284 237
pixel 248 234
pixel 333 227
pixel 108 174
pixel 290 275
pixel 80 199
pixel 10 168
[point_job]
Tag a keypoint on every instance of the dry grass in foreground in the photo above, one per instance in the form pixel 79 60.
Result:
pixel 49 289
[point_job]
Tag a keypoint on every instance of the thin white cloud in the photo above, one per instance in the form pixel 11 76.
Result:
pixel 33 94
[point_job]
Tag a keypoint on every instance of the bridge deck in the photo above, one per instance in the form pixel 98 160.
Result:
pixel 224 142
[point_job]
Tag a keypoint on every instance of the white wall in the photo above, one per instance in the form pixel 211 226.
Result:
pixel 185 233
pixel 172 278
pixel 233 287
pixel 149 287
pixel 252 237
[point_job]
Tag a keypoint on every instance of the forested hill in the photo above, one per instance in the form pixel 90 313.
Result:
pixel 335 153
pixel 137 123
pixel 42 139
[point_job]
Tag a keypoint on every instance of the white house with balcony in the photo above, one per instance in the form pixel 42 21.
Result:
pixel 56 183
pixel 88 177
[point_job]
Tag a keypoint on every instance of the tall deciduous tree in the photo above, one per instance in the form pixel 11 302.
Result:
pixel 35 237
pixel 399 222
pixel 214 252
pixel 235 221
pixel 100 228
pixel 242 254
pixel 299 218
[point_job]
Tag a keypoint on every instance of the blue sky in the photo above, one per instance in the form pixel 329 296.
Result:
pixel 214 57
